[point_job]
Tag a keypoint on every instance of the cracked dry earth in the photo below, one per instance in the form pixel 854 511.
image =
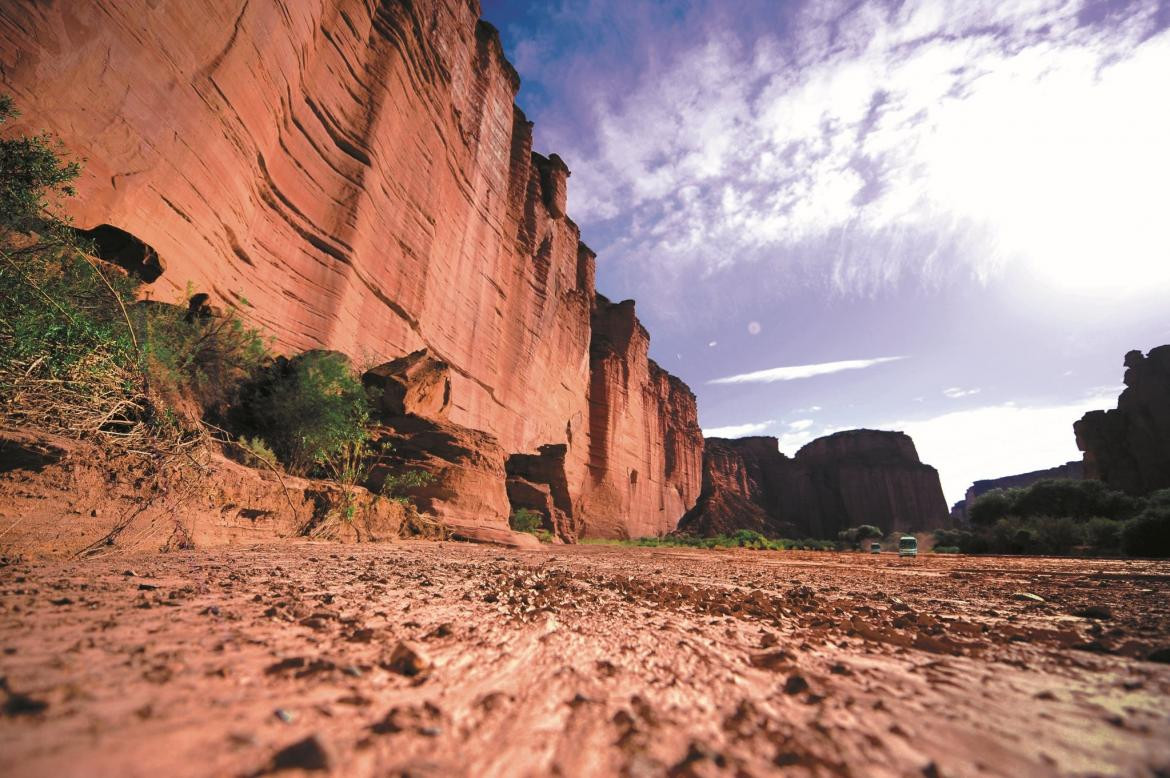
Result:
pixel 444 659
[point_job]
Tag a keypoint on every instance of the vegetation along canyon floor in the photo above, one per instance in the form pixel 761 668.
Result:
pixel 430 659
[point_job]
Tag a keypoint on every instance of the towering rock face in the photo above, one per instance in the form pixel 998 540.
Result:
pixel 1069 470
pixel 357 171
pixel 1129 447
pixel 645 445
pixel 835 482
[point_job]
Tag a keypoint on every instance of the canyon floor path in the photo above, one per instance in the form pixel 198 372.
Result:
pixel 445 659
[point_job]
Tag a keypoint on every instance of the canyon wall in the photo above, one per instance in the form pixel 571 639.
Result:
pixel 1129 447
pixel 835 482
pixel 354 175
pixel 1069 470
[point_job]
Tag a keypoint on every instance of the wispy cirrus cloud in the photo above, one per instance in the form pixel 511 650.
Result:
pixel 958 392
pixel 857 144
pixel 796 372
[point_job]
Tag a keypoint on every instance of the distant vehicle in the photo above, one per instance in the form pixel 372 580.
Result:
pixel 875 548
pixel 908 546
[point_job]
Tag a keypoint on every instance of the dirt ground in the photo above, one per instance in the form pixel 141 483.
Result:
pixel 447 659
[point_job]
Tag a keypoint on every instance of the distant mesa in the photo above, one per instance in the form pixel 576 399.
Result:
pixel 842 480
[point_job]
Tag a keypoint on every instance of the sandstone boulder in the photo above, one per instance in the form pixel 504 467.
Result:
pixel 417 384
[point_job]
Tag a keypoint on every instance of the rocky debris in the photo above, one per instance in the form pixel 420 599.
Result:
pixel 372 189
pixel 839 481
pixel 1129 447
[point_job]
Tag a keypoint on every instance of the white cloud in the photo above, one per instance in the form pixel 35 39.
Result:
pixel 800 424
pixel 955 392
pixel 795 372
pixel 998 440
pixel 738 430
pixel 874 144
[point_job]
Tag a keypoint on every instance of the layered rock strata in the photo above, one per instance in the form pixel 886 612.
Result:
pixel 359 174
pixel 839 481
pixel 1129 447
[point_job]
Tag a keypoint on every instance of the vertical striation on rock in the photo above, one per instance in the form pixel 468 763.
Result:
pixel 644 443
pixel 1129 447
pixel 835 482
pixel 358 171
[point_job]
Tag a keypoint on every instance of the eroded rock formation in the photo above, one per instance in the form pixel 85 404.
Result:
pixel 835 482
pixel 359 174
pixel 1129 447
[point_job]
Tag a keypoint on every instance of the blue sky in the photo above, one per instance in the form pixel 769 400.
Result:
pixel 957 212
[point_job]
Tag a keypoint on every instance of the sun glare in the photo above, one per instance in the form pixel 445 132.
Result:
pixel 1067 169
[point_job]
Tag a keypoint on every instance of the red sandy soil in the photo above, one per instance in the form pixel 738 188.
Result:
pixel 587 660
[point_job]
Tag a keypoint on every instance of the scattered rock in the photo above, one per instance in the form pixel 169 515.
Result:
pixel 1101 612
pixel 795 685
pixel 287 716
pixel 1027 597
pixel 308 754
pixel 407 659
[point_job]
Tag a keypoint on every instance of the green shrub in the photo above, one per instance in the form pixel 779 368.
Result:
pixel 992 506
pixel 257 449
pixel 1149 533
pixel 1064 498
pixel 396 485
pixel 525 520
pixel 1103 534
pixel 207 358
pixel 311 410
pixel 1080 499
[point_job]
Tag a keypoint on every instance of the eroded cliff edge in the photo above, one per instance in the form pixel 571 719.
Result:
pixel 842 480
pixel 358 173
pixel 1128 447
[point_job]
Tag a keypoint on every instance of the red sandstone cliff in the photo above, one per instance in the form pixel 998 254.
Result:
pixel 835 482
pixel 1129 447
pixel 359 173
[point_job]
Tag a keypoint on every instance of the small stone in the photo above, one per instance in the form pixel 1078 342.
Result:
pixel 1101 612
pixel 795 685
pixel 407 659
pixel 287 716
pixel 307 754
pixel 1160 655
pixel 1027 597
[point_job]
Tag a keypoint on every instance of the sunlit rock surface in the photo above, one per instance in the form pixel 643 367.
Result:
pixel 356 176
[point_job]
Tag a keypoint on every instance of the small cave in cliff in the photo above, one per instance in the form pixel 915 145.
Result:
pixel 127 251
